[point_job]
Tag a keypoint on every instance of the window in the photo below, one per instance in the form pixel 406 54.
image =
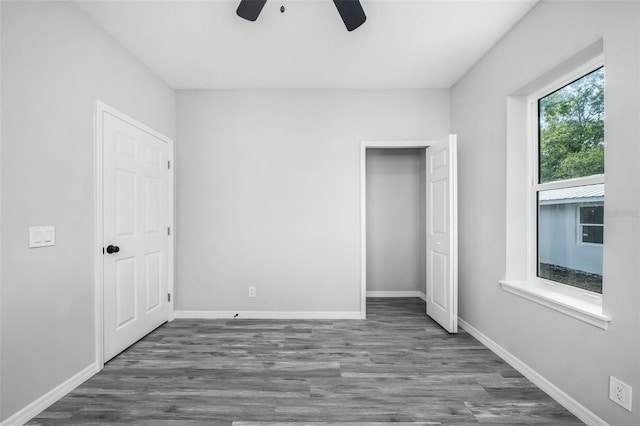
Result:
pixel 568 181
pixel 555 189
pixel 591 225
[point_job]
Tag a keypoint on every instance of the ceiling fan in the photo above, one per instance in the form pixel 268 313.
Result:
pixel 350 11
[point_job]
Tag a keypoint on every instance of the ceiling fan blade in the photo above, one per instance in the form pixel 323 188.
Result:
pixel 250 9
pixel 351 13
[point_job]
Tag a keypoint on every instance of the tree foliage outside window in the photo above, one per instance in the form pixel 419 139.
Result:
pixel 571 130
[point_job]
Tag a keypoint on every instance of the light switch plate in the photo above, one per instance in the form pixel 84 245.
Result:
pixel 42 236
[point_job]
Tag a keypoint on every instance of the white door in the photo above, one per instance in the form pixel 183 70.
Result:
pixel 136 241
pixel 442 238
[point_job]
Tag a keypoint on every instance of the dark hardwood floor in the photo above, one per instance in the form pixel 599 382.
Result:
pixel 397 367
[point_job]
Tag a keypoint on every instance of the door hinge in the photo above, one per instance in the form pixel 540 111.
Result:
pixel 168 230
pixel 168 297
pixel 169 165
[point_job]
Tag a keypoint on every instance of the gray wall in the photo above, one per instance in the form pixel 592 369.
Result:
pixel 268 191
pixel 396 252
pixel 576 357
pixel 55 64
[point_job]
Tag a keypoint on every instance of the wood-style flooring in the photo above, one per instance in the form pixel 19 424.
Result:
pixel 398 366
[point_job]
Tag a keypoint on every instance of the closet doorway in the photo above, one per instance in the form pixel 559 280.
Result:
pixel 409 224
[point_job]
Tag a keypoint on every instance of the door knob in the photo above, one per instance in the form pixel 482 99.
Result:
pixel 113 249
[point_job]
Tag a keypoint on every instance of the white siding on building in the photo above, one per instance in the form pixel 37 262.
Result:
pixel 559 242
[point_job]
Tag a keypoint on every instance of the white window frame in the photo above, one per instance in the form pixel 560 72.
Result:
pixel 522 168
pixel 588 297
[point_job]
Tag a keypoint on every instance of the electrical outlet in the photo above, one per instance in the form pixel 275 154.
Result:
pixel 620 393
pixel 252 292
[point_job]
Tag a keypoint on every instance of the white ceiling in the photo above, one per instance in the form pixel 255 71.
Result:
pixel 403 44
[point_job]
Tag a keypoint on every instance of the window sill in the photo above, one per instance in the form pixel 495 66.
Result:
pixel 585 311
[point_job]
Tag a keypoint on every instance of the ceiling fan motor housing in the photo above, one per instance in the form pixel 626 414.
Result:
pixel 350 11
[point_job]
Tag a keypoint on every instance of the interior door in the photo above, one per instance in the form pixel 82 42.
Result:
pixel 136 220
pixel 442 238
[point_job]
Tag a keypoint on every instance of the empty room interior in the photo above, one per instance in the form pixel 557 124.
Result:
pixel 239 212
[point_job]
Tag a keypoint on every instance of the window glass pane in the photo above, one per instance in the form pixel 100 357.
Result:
pixel 563 255
pixel 592 234
pixel 592 214
pixel 571 130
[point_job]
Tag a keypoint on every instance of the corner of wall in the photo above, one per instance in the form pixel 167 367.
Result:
pixel 48 399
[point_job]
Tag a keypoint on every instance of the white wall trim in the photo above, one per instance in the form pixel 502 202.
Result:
pixel 46 400
pixel 400 293
pixel 579 410
pixel 172 223
pixel 267 314
pixel 552 297
pixel 98 230
pixel 100 109
pixel 363 206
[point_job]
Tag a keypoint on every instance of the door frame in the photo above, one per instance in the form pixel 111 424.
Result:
pixel 364 145
pixel 100 109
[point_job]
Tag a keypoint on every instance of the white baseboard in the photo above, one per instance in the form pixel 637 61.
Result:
pixel 407 293
pixel 579 410
pixel 46 400
pixel 268 314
